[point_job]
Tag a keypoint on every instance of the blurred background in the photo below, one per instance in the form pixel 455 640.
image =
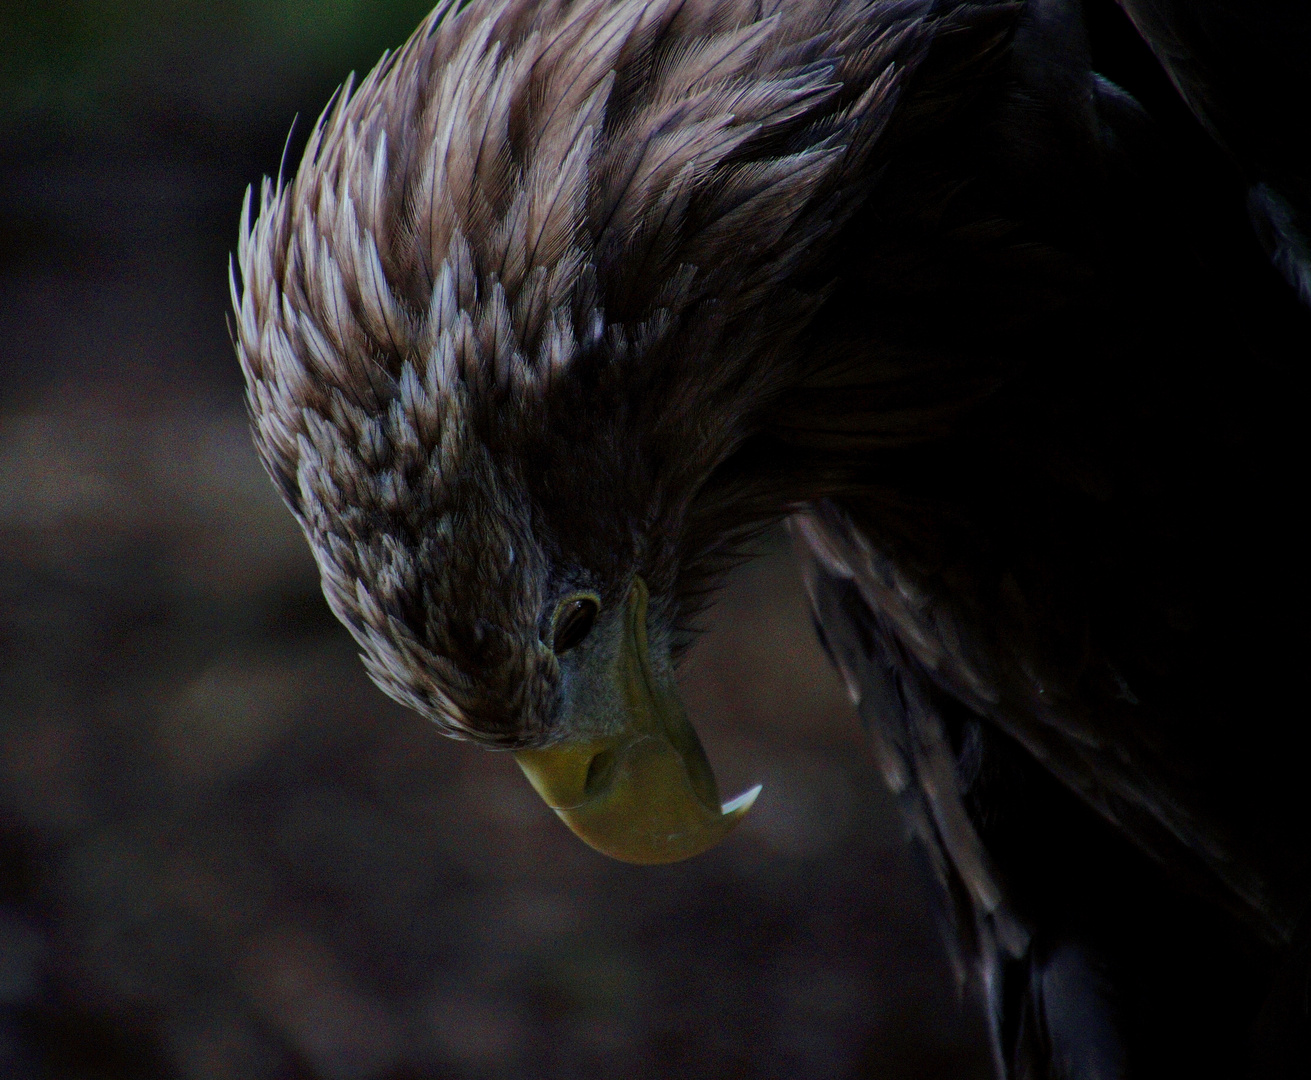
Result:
pixel 223 852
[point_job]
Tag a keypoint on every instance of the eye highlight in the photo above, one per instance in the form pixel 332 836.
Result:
pixel 573 622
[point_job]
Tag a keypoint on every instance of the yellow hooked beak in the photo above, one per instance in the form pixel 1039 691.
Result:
pixel 646 794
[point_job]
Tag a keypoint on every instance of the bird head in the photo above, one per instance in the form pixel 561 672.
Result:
pixel 506 335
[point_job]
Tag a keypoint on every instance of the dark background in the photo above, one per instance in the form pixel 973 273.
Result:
pixel 223 852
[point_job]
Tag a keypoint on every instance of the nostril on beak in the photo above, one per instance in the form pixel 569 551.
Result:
pixel 598 772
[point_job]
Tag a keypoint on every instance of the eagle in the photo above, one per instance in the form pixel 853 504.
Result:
pixel 569 299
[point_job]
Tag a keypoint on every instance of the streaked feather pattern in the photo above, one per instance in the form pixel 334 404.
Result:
pixel 524 199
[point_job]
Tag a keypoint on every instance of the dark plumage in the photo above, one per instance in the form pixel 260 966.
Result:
pixel 567 300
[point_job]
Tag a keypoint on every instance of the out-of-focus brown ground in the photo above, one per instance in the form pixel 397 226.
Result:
pixel 223 852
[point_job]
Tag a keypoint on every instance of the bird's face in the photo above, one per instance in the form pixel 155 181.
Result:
pixel 537 603
pixel 519 617
pixel 598 726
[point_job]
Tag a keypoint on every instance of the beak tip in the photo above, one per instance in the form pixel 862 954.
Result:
pixel 742 803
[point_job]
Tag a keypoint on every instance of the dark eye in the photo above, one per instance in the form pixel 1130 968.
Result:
pixel 573 622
